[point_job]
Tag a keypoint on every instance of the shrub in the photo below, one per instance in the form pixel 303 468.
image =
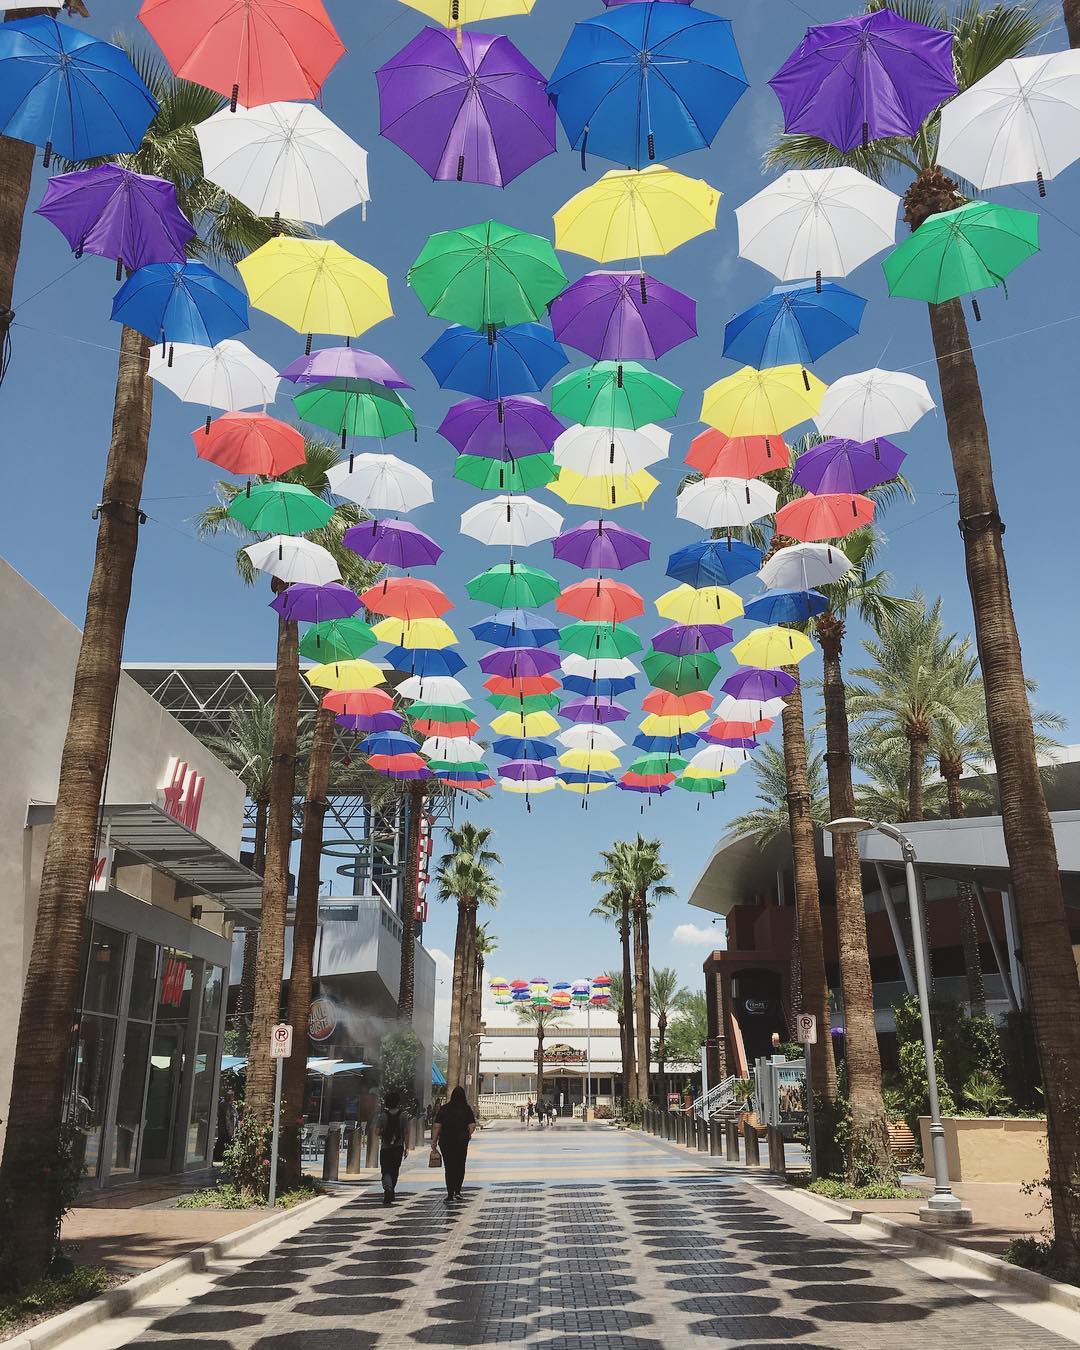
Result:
pixel 399 1055
pixel 231 1197
pixel 1023 1078
pixel 603 1113
pixel 984 1092
pixel 52 1295
pixel 1031 1253
pixel 633 1110
pixel 743 1088
pixel 246 1160
pixel 874 1190
pixel 913 1088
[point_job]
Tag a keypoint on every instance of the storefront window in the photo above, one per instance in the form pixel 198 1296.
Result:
pixel 211 999
pixel 105 970
pixel 201 1112
pixel 143 981
pixel 174 995
pixel 91 1089
pixel 129 1103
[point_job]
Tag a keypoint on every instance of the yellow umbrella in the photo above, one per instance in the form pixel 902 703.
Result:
pixel 315 286
pixel 709 604
pixel 352 676
pixel 631 213
pixel 453 13
pixel 762 402
pixel 585 789
pixel 768 647
pixel 524 724
pixel 589 761
pixel 676 725
pixel 605 492
pixel 691 772
pixel 526 788
pixel 413 633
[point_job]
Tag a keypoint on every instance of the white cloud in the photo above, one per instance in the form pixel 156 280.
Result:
pixel 444 979
pixel 690 935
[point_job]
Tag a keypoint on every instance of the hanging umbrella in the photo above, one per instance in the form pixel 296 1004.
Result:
pixel 429 634
pixel 748 709
pixel 762 402
pixel 406 598
pixel 623 316
pixel 830 516
pixel 355 407
pixel 873 403
pixel 513 475
pixel 425 726
pixel 709 604
pixel 180 302
pixel 384 721
pixel 718 761
pixel 284 160
pixel 606 492
pixel 388 743
pixel 702 785
pixel 772 647
pixel 452 749
pixel 516 360
pixel 523 663
pixel 585 784
pixel 599 640
pixel 680 674
pixel 615 394
pixel 601 545
pixel 598 667
pixel 113 213
pixel 675 724
pixel 664 704
pixel 822 222
pixel 486 274
pixel 475 110
pixel 511 520
pixel 601 601
pixel 526 771
pixel 636 213
pixel 524 703
pixel 586 737
pixel 859 79
pixel 307 603
pixel 337 640
pixel 786 606
pixel 254 52
pixel 292 560
pixel 594 452
pixel 682 639
pixel 589 761
pixel 760 684
pixel 594 710
pixel 70 92
pixel 727 732
pixel 405 766
pixel 667 745
pixel 713 562
pixel 793 325
pixel 800 566
pixel 512 586
pixel 330 364
pixel 524 724
pixel 847 466
pixel 447 714
pixel 250 443
pixel 453 13
pixel 437 688
pixel 346 676
pixel 1018 124
pixel 380 483
pixel 359 703
pixel 647 82
pixel 527 789
pixel 315 286
pixel 954 253
pixel 508 428
pixel 717 455
pixel 393 542
pixel 515 628
pixel 716 503
pixel 657 762
pixel 227 376
pixel 524 747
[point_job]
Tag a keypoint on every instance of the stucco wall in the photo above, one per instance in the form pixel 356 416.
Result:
pixel 991 1148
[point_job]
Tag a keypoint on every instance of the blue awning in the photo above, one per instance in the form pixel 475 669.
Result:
pixel 438 1078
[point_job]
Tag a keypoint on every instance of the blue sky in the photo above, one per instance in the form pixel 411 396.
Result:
pixel 188 604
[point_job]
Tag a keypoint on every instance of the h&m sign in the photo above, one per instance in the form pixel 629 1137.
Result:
pixel 183 792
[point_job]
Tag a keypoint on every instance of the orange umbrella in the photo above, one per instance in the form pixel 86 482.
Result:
pixel 525 685
pixel 250 443
pixel 723 730
pixel 406 598
pixel 358 703
pixel 717 455
pixel 424 726
pixel 830 516
pixel 396 763
pixel 601 601
pixel 663 704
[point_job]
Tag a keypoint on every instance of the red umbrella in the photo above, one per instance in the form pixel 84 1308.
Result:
pixel 396 763
pixel 601 601
pixel 406 598
pixel 358 704
pixel 830 516
pixel 719 456
pixel 525 685
pixel 664 704
pixel 252 51
pixel 250 443
pixel 426 727
pixel 723 730
pixel 647 780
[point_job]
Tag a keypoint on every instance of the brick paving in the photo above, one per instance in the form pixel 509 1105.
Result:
pixel 581 1237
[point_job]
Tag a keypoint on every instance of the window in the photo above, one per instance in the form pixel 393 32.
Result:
pixel 104 970
pixel 93 1062
pixel 143 981
pixel 129 1101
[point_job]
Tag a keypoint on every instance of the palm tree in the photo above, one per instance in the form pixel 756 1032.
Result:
pixel 667 995
pixel 615 905
pixel 484 944
pixel 883 789
pixel 1072 21
pixel 542 1019
pixel 226 231
pixel 769 820
pixel 983 38
pixel 616 992
pixel 689 1029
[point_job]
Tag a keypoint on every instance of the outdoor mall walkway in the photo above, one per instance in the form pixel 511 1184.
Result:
pixel 580 1237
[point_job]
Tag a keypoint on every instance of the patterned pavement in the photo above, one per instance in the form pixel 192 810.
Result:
pixel 574 1237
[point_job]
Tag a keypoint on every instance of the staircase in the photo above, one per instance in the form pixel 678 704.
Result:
pixel 719 1101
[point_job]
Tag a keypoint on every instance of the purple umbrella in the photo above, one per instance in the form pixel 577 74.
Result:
pixel 733 742
pixel 474 109
pixel 847 466
pixel 406 775
pixel 343 363
pixel 506 428
pixel 114 213
pixel 759 684
pixel 686 639
pixel 855 80
pixel 305 603
pixel 369 722
pixel 623 316
pixel 612 3
pixel 601 710
pixel 519 662
pixel 525 771
pixel 394 542
pixel 601 544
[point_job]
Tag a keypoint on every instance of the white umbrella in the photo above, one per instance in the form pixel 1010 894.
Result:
pixel 823 221
pixel 732 709
pixel 511 520
pixel 380 483
pixel 599 667
pixel 452 749
pixel 800 567
pixel 284 159
pixel 588 736
pixel 290 558
pixel 1018 124
pixel 717 503
pixel 228 376
pixel 873 403
pixel 433 688
pixel 720 759
pixel 598 452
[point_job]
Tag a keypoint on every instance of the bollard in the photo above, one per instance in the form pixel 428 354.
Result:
pixel 701 1131
pixel 774 1138
pixel 715 1130
pixel 750 1140
pixel 354 1150
pixel 332 1155
pixel 732 1141
pixel 684 1129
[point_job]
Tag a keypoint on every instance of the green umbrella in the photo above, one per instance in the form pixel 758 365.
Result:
pixel 511 475
pixel 527 703
pixel 599 641
pixel 280 508
pixel 658 763
pixel 513 586
pixel 337 640
pixel 615 394
pixel 357 408
pixel 452 714
pixel 709 785
pixel 487 275
pixel 957 252
pixel 453 769
pixel 680 674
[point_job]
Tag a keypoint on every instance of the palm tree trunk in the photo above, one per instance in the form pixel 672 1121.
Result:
pixel 406 981
pixel 868 1152
pixel 642 1001
pixel 470 999
pixel 661 1058
pixel 1029 837
pixel 629 1083
pixel 457 999
pixel 259 1092
pixel 965 899
pixel 245 997
pixel 474 1042
pixel 258 848
pixel 305 927
pixel 539 1062
pixel 28 1176
pixel 1072 21
pixel 918 749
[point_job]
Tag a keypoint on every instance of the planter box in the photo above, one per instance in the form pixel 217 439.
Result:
pixel 990 1148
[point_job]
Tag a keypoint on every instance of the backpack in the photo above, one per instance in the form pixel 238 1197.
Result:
pixel 393 1131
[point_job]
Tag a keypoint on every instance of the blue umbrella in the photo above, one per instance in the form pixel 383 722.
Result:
pixel 714 562
pixel 389 743
pixel 609 688
pixel 524 747
pixel 69 91
pixel 424 661
pixel 793 325
pixel 515 628
pixel 667 745
pixel 515 360
pixel 786 606
pixel 647 82
pixel 181 302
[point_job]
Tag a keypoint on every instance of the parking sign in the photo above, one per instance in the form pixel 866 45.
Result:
pixel 281 1041
pixel 806 1029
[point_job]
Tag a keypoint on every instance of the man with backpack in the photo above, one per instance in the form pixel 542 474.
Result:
pixel 393 1127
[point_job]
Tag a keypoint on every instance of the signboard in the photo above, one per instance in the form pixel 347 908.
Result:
pixel 806 1029
pixel 322 1020
pixel 562 1054
pixel 281 1041
pixel 756 1006
pixel 103 868
pixel 182 793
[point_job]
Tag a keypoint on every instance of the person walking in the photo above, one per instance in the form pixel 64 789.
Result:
pixel 454 1126
pixel 552 1114
pixel 393 1127
pixel 523 1115
pixel 528 1113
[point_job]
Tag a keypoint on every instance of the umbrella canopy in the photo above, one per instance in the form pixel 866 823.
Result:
pixel 615 394
pixel 717 455
pixel 753 710
pixel 382 721
pixel 452 749
pixel 284 159
pixel 772 647
pixel 817 221
pixel 599 640
pixel 636 213
pixel 515 628
pixel 667 745
pixel 315 286
pixel 597 710
pixel 607 492
pixel 307 603
pixel 684 639
pixel 709 604
pixel 474 110
pixel 524 747
pixel 954 253
pixel 709 785
pixel 511 520
pixel 429 634
pixel 114 213
pixel 343 363
pixel 526 771
pixel 180 302
pixel 793 325
pixel 675 724
pixel 512 586
pixel 253 52
pixel 436 688
pixel 524 703
pixel 70 92
pixel 524 724
pixel 681 674
pixel 598 667
pixel 507 428
pixel 847 466
pixel 359 703
pixel 762 402
pixel 429 726
pixel 337 640
pixel 519 663
pixel 647 82
pixel 717 503
pixel 585 784
pixel 280 508
pixel 717 761
pixel 601 601
pixel 527 789
pixel 599 545
pixel 250 443
pixel 393 542
pixel 589 761
pixel 800 566
pixel 447 714
pixel 760 684
pixel 227 376
pixel 657 762
pixel 291 560
pixel 406 598
pixel 355 407
pixel 380 483
pixel 346 676
pixel 406 765
pixel 453 13
pixel 586 737
pixel 833 515
pixel 786 607
pixel 663 704
pixel 514 475
pixel 516 360
pixel 873 403
pixel 594 452
pixel 859 79
pixel 388 743
pixel 713 562
pixel 486 274
pixel 422 662
pixel 623 316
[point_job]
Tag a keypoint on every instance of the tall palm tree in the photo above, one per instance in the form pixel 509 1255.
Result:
pixel 1072 21
pixel 615 905
pixel 667 995
pixel 984 36
pixel 543 1020
pixel 226 231
pixel 882 790
pixel 616 992
pixel 485 943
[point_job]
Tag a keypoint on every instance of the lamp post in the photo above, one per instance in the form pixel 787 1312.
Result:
pixel 943 1206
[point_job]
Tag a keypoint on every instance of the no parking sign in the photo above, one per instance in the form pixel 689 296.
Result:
pixel 281 1041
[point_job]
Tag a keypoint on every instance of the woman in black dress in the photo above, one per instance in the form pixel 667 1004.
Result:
pixel 450 1135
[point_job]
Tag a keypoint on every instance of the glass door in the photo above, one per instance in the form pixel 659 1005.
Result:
pixel 162 1097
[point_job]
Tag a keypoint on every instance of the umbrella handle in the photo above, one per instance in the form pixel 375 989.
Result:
pixel 460 168
pixel 584 143
pixel 806 380
pixel 975 310
pixel 652 146
pixel 817 282
pixel 275 225
pixel 46 159
pixel 235 98
pixel 1041 182
pixel 644 292
pixel 209 419
pixel 865 135
pixel 119 267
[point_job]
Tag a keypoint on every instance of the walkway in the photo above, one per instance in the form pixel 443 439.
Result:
pixel 575 1237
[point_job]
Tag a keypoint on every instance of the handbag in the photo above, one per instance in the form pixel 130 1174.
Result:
pixel 434 1158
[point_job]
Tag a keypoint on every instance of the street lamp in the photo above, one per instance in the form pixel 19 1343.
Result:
pixel 943 1206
